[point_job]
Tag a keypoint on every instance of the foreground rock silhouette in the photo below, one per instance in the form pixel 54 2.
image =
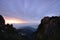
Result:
pixel 7 31
pixel 49 29
pixel 2 21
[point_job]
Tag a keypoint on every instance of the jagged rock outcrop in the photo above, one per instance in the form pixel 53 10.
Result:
pixel 2 21
pixel 7 31
pixel 49 29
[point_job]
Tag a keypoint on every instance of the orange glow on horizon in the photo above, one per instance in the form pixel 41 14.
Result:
pixel 13 20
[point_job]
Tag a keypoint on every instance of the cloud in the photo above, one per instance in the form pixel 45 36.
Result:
pixel 50 15
pixel 30 10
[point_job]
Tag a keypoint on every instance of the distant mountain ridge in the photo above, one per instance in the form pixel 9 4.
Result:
pixel 18 26
pixel 26 32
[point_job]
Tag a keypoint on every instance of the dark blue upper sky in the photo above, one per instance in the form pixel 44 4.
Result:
pixel 30 10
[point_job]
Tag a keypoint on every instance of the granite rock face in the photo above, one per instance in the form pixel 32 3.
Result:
pixel 48 29
pixel 2 21
pixel 7 31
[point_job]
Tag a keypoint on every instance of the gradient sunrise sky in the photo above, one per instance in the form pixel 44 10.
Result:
pixel 29 10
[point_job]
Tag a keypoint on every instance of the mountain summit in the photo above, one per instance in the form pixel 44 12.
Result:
pixel 49 29
pixel 7 31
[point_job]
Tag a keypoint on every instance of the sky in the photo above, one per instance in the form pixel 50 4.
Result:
pixel 29 10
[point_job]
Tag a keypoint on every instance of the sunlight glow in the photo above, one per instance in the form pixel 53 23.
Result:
pixel 14 20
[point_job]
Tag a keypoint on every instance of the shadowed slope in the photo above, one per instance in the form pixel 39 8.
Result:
pixel 7 31
pixel 49 29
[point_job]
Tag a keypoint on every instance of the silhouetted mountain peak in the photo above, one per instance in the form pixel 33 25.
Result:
pixel 49 29
pixel 7 31
pixel 2 21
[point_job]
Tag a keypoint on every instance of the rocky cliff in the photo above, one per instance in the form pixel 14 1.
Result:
pixel 48 29
pixel 7 31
